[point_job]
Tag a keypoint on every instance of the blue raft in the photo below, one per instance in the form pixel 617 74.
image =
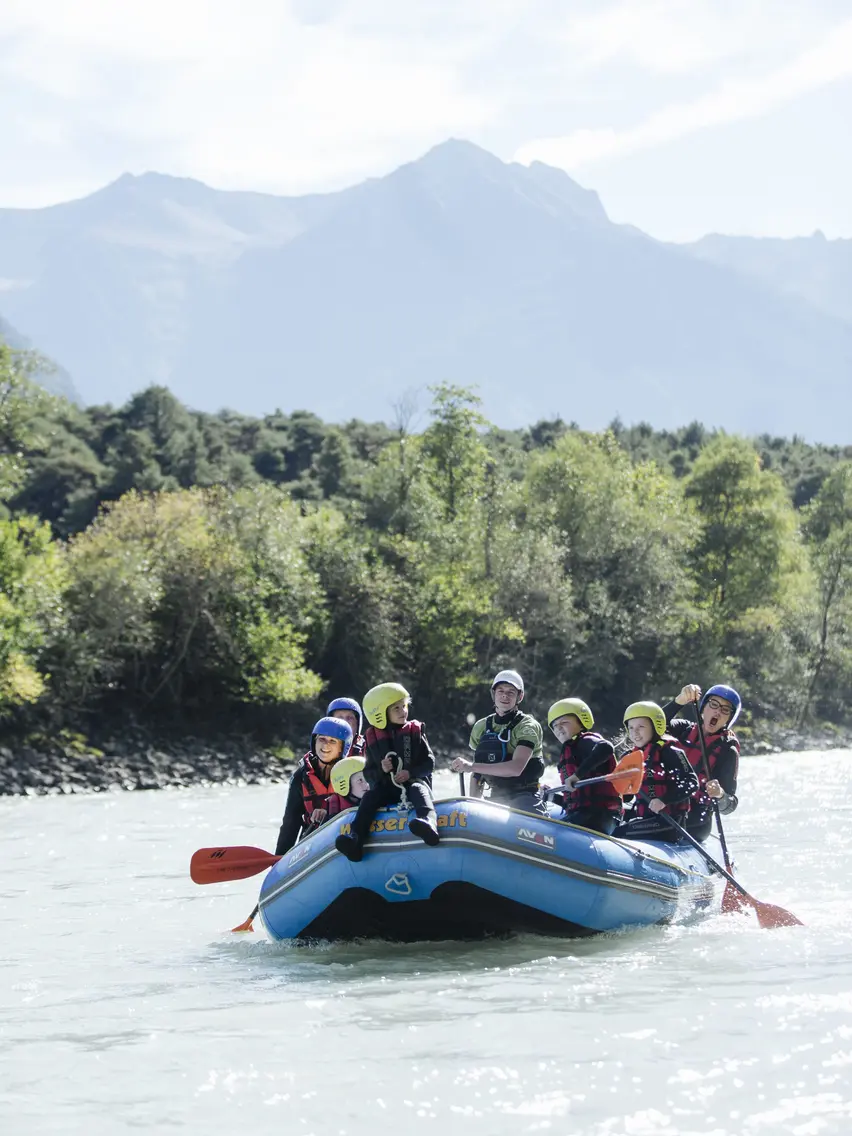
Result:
pixel 496 871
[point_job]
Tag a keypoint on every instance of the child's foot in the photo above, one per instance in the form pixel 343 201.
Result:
pixel 426 831
pixel 350 846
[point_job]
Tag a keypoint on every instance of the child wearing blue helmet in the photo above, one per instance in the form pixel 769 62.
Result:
pixel 311 798
pixel 719 708
pixel 349 711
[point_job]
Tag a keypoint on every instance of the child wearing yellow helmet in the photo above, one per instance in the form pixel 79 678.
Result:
pixel 669 780
pixel 398 758
pixel 348 780
pixel 507 749
pixel 585 753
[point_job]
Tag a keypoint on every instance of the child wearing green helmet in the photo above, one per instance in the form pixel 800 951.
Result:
pixel 668 782
pixel 584 754
pixel 399 759
pixel 348 780
pixel 507 750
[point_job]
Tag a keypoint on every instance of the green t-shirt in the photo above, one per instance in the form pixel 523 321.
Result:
pixel 525 731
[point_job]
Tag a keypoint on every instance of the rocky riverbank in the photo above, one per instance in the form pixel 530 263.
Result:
pixel 135 762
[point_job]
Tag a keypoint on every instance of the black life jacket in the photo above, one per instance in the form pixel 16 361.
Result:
pixel 601 796
pixel 493 749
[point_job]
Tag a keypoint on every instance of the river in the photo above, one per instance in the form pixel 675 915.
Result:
pixel 127 1006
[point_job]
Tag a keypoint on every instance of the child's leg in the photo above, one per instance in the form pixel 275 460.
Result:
pixel 351 844
pixel 424 823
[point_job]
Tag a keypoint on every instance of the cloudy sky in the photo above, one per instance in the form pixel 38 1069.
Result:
pixel 688 116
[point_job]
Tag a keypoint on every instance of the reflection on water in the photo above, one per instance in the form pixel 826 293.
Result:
pixel 126 1004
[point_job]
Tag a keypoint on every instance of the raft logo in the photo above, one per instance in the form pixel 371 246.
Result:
pixel 218 854
pixel 398 884
pixel 399 823
pixel 540 839
pixel 298 855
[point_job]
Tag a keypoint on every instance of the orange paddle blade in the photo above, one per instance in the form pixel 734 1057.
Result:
pixel 214 865
pixel 629 773
pixel 247 926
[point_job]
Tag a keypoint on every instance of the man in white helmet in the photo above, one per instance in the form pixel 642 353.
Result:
pixel 507 749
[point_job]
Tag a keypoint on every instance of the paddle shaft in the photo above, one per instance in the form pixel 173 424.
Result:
pixel 698 848
pixel 714 803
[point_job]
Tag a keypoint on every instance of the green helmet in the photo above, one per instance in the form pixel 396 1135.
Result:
pixel 377 700
pixel 575 706
pixel 341 771
pixel 647 710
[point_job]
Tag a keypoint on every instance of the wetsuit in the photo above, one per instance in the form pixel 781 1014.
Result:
pixel 723 757
pixel 670 778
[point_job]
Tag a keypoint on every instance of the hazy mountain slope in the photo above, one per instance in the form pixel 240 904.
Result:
pixel 56 380
pixel 455 267
pixel 817 270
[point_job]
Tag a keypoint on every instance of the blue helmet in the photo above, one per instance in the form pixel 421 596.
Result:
pixel 347 704
pixel 729 694
pixel 333 728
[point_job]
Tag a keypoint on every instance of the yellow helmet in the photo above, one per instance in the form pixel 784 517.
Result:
pixel 575 706
pixel 647 710
pixel 377 700
pixel 341 771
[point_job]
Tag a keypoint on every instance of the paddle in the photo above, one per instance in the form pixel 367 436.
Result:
pixel 248 925
pixel 768 914
pixel 731 900
pixel 461 784
pixel 215 865
pixel 627 777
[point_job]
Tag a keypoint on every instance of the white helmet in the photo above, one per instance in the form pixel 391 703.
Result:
pixel 513 679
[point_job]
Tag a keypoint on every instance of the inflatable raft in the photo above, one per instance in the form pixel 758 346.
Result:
pixel 496 871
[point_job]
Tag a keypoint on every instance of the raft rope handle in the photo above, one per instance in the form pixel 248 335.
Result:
pixel 403 805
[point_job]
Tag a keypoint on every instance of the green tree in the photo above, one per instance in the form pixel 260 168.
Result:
pixel 452 447
pixel 31 578
pixel 828 526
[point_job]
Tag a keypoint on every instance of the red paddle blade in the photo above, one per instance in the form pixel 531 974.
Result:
pixel 769 915
pixel 213 865
pixel 733 901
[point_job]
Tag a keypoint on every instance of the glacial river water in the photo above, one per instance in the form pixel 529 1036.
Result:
pixel 125 1006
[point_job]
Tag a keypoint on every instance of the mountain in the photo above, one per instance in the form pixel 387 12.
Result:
pixel 456 267
pixel 810 268
pixel 55 379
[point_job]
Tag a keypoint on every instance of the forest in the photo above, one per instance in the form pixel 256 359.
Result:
pixel 216 573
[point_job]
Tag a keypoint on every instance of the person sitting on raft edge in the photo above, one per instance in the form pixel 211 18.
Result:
pixel 398 758
pixel 719 709
pixel 350 711
pixel 507 750
pixel 584 754
pixel 311 799
pixel 668 782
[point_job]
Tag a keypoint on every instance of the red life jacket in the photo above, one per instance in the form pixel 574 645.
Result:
pixel 600 796
pixel 316 794
pixel 403 740
pixel 358 747
pixel 655 781
pixel 691 746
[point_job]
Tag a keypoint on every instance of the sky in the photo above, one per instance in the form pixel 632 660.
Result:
pixel 687 116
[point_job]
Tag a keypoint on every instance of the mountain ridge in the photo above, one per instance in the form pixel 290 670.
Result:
pixel 456 266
